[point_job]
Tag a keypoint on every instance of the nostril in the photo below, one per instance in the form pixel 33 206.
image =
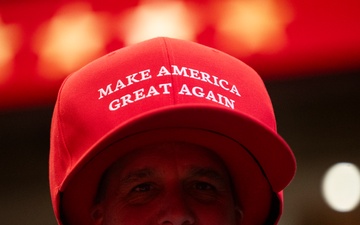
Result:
pixel 176 217
pixel 187 222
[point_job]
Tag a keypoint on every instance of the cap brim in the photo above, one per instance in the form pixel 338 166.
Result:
pixel 259 160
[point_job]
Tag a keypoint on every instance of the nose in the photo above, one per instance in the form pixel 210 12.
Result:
pixel 175 210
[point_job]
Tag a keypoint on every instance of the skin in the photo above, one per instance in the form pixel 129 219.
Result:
pixel 169 184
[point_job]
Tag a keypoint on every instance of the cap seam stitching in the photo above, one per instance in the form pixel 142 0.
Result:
pixel 167 56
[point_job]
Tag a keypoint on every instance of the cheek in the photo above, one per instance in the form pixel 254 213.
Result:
pixel 216 214
pixel 123 214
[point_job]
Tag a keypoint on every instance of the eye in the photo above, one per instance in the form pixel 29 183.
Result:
pixel 203 186
pixel 142 193
pixel 203 192
pixel 144 187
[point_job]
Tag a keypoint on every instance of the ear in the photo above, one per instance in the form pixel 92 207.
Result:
pixel 97 215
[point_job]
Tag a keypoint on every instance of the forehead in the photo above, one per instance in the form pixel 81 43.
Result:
pixel 185 157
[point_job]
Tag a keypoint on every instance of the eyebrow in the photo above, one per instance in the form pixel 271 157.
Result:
pixel 208 173
pixel 137 175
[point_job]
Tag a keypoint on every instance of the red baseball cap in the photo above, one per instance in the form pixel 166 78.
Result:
pixel 161 90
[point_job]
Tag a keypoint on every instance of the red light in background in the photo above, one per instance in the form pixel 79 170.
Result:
pixel 149 19
pixel 74 36
pixel 279 38
pixel 252 26
pixel 10 38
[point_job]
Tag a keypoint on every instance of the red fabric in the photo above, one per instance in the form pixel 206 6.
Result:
pixel 160 84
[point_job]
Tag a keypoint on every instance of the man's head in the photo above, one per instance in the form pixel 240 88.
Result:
pixel 166 91
pixel 168 183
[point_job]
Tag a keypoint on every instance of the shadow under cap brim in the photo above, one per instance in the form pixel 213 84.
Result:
pixel 258 159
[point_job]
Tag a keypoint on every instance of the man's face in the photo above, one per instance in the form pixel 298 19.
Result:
pixel 170 184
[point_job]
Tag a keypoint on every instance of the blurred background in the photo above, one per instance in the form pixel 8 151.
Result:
pixel 308 53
